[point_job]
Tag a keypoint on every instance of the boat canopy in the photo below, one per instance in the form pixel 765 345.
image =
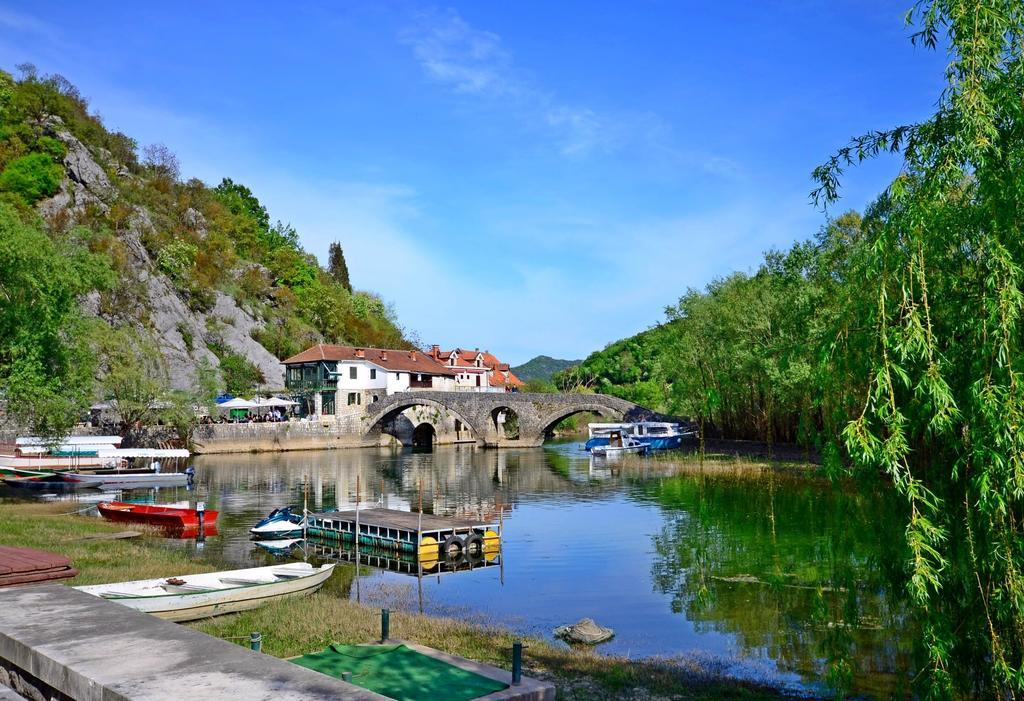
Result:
pixel 144 453
pixel 70 440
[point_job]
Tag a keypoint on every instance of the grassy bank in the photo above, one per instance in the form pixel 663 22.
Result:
pixel 297 626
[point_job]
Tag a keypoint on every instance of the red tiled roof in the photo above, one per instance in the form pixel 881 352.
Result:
pixel 390 359
pixel 467 359
pixel 504 379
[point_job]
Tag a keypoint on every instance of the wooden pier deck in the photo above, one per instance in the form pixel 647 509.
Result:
pixel 427 534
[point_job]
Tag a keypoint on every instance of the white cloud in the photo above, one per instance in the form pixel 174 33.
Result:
pixel 473 61
pixel 454 53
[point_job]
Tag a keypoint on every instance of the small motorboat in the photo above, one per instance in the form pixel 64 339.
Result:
pixel 276 530
pixel 279 524
pixel 620 444
pixel 599 434
pixel 282 514
pixel 192 596
pixel 163 516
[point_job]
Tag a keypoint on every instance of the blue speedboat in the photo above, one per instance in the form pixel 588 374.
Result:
pixel 657 435
pixel 660 435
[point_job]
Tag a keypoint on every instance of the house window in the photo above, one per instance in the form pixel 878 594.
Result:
pixel 398 376
pixel 327 403
pixel 375 397
pixel 353 398
pixel 353 372
pixel 373 373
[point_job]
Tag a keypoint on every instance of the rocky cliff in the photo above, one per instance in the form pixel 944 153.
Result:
pixel 182 334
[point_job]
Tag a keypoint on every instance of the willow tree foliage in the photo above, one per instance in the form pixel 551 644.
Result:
pixel 942 411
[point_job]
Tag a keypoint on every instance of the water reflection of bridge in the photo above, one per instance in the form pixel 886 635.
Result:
pixel 453 481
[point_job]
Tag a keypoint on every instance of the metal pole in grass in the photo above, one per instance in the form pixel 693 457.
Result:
pixel 385 625
pixel 201 534
pixel 517 662
pixel 256 641
pixel 356 544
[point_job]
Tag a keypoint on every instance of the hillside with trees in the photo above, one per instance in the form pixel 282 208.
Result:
pixel 542 368
pixel 120 280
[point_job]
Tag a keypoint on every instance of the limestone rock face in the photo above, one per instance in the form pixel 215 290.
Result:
pixel 180 332
pixel 195 221
pixel 236 330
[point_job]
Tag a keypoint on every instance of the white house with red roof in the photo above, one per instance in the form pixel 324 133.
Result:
pixel 476 370
pixel 335 380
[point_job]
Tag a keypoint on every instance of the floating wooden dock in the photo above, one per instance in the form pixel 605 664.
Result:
pixel 400 561
pixel 427 535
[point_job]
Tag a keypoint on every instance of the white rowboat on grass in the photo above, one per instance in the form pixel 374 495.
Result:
pixel 193 596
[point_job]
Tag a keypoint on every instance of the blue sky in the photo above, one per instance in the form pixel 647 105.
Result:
pixel 524 177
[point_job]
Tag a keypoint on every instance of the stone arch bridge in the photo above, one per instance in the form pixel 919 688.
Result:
pixel 494 419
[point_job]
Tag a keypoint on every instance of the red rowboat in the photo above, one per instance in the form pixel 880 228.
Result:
pixel 163 516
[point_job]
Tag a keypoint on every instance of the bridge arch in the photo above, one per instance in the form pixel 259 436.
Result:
pixel 506 423
pixel 552 419
pixel 392 407
pixel 479 412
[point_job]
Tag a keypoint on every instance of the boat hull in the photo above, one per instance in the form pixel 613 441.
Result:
pixel 664 442
pixel 128 481
pixel 276 530
pixel 193 605
pixel 609 450
pixel 154 515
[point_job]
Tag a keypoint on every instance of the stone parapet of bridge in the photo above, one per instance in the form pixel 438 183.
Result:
pixel 487 413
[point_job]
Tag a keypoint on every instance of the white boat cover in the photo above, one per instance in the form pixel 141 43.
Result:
pixel 71 440
pixel 144 453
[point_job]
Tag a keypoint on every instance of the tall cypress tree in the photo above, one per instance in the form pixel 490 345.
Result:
pixel 337 266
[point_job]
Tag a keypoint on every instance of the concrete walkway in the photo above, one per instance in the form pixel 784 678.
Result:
pixel 90 649
pixel 95 650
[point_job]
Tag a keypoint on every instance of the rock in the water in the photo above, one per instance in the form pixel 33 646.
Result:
pixel 584 631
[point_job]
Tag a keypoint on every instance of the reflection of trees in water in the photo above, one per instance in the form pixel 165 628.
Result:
pixel 802 572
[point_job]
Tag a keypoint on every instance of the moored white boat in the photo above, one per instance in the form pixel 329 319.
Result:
pixel 188 597
pixel 114 480
pixel 620 444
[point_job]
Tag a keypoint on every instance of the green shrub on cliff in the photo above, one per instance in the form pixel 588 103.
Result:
pixel 32 177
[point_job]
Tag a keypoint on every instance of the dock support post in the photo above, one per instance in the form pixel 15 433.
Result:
pixel 517 662
pixel 201 533
pixel 256 641
pixel 385 625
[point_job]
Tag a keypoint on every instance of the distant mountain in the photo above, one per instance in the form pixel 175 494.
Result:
pixel 542 368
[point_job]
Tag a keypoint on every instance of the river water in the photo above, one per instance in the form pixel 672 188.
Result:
pixel 784 578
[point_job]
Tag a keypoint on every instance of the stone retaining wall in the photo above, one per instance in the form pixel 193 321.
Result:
pixel 292 435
